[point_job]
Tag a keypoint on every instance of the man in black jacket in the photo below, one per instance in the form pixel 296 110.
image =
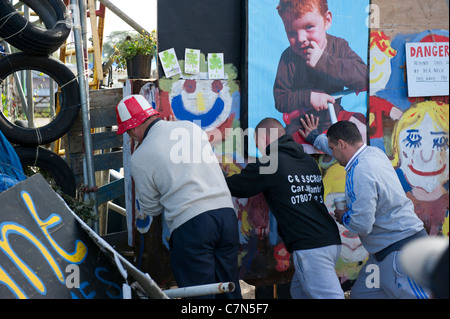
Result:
pixel 294 192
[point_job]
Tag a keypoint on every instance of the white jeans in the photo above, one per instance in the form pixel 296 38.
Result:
pixel 315 275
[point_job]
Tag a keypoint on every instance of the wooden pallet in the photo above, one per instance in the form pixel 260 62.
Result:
pixel 106 144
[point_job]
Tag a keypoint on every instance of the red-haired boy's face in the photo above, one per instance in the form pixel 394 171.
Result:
pixel 301 31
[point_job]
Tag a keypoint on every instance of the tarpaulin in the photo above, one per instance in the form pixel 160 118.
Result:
pixel 11 171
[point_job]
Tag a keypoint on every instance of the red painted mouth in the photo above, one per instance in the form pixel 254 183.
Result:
pixel 420 173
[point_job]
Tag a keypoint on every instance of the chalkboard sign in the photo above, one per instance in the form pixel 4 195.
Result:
pixel 211 26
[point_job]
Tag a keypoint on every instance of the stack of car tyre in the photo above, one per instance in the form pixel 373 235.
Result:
pixel 37 44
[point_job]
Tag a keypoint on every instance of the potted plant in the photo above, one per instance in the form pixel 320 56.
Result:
pixel 135 54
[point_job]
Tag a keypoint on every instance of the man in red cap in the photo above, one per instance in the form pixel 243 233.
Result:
pixel 175 170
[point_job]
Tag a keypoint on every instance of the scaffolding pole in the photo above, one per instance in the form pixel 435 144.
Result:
pixel 124 17
pixel 202 290
pixel 77 11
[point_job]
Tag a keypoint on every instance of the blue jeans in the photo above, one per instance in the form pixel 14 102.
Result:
pixel 204 250
pixel 315 275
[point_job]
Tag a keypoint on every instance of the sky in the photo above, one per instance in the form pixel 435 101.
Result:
pixel 142 11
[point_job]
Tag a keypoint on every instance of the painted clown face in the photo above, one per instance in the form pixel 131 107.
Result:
pixel 424 154
pixel 380 70
pixel 201 101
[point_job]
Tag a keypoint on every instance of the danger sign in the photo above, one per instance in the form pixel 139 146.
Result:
pixel 427 69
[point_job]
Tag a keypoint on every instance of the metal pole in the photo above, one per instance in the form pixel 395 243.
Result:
pixel 83 18
pixel 124 17
pixel 202 290
pixel 29 83
pixel 82 80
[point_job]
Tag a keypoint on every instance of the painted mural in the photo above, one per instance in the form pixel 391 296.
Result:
pixel 414 132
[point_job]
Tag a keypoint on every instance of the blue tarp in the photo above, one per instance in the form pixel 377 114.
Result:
pixel 11 171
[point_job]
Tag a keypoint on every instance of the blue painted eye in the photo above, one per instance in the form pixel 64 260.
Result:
pixel 440 143
pixel 413 139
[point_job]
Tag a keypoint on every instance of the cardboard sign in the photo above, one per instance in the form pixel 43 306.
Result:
pixel 192 61
pixel 169 62
pixel 216 67
pixel 45 253
pixel 427 66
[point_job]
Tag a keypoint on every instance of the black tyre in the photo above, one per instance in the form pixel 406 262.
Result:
pixel 48 163
pixel 69 99
pixel 30 38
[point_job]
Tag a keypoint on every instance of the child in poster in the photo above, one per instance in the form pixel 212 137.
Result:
pixel 315 65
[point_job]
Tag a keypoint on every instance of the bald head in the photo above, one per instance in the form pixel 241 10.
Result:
pixel 267 131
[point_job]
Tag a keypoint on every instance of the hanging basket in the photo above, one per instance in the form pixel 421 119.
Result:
pixel 139 67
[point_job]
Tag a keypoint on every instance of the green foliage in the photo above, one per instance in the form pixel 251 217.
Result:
pixel 135 45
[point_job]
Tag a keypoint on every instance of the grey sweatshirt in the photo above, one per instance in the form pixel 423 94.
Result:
pixel 378 209
pixel 176 171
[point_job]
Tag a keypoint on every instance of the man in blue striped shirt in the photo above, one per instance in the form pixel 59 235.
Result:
pixel 377 210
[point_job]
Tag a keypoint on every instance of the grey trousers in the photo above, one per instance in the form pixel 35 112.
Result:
pixel 315 275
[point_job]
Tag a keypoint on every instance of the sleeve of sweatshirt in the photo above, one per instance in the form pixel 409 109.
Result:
pixel 342 66
pixel 286 98
pixel 249 182
pixel 320 141
pixel 146 192
pixel 361 187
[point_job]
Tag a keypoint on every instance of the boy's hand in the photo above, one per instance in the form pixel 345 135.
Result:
pixel 311 124
pixel 313 54
pixel 319 101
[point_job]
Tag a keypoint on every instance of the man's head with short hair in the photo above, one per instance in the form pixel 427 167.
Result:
pixel 344 139
pixel 346 131
pixel 267 131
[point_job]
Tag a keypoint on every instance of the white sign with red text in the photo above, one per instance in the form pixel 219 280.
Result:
pixel 427 66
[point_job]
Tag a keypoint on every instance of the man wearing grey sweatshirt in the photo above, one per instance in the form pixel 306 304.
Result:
pixel 176 173
pixel 377 210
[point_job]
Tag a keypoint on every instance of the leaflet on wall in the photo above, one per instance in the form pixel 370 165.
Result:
pixel 191 61
pixel 169 62
pixel 216 66
pixel 428 67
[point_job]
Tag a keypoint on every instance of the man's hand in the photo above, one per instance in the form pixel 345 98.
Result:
pixel 311 124
pixel 169 118
pixel 319 101
pixel 338 213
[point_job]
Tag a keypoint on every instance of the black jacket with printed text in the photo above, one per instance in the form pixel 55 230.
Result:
pixel 294 192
